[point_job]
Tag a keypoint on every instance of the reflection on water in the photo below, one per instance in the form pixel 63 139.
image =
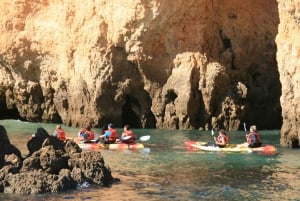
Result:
pixel 166 170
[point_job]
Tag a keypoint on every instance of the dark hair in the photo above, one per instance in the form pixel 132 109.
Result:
pixel 222 131
pixel 104 128
pixel 127 126
pixel 88 127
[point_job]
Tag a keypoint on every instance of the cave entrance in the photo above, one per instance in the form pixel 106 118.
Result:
pixel 131 112
pixel 6 113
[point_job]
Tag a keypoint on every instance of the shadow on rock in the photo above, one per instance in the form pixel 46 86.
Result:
pixel 51 166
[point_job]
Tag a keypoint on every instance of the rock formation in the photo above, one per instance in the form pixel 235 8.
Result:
pixel 154 64
pixel 52 166
pixel 288 58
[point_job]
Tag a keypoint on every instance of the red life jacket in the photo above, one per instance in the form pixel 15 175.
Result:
pixel 81 132
pixel 225 137
pixel 132 137
pixel 113 136
pixel 61 134
pixel 256 135
pixel 91 135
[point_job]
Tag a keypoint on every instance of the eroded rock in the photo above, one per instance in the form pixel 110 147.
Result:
pixel 52 166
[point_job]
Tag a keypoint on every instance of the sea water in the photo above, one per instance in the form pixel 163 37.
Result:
pixel 166 170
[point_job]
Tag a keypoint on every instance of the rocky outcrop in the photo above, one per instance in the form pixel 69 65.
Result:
pixel 193 64
pixel 288 65
pixel 10 157
pixel 50 168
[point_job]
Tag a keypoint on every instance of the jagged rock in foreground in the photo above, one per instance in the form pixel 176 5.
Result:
pixel 10 157
pixel 52 166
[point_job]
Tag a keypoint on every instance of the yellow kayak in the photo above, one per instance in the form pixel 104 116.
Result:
pixel 197 145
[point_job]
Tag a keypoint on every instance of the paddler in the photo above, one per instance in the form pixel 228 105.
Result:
pixel 222 139
pixel 110 135
pixel 86 134
pixel 128 136
pixel 59 133
pixel 253 137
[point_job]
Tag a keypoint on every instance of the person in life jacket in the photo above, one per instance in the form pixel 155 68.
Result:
pixel 110 135
pixel 59 133
pixel 222 139
pixel 128 136
pixel 253 137
pixel 81 133
pixel 86 134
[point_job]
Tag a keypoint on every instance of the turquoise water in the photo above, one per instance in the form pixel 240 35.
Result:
pixel 166 170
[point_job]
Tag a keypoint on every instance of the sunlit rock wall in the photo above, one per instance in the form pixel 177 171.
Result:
pixel 164 64
pixel 288 57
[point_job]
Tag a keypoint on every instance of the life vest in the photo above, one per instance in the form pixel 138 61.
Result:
pixel 81 132
pixel 132 137
pixel 253 138
pixel 91 135
pixel 113 136
pixel 225 137
pixel 61 134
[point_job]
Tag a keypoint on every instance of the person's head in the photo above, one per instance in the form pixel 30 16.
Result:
pixel 222 132
pixel 253 128
pixel 58 127
pixel 110 125
pixel 104 128
pixel 88 127
pixel 126 127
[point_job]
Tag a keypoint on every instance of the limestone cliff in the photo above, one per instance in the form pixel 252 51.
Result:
pixel 288 57
pixel 154 64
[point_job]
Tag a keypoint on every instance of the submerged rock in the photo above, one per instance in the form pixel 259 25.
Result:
pixel 51 166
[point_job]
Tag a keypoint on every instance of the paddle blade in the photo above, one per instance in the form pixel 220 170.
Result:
pixel 145 138
pixel 190 145
pixel 126 137
pixel 245 127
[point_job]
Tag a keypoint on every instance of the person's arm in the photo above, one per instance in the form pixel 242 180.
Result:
pixel 220 140
pixel 55 133
pixel 107 134
pixel 124 134
pixel 253 139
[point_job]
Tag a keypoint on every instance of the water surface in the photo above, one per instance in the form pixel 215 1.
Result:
pixel 166 170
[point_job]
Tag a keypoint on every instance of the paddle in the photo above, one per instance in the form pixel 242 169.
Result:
pixel 213 142
pixel 212 132
pixel 142 138
pixel 245 129
pixel 125 138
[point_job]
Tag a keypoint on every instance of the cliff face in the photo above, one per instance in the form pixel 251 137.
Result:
pixel 189 64
pixel 288 58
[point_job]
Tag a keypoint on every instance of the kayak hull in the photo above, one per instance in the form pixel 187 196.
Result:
pixel 116 146
pixel 196 145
